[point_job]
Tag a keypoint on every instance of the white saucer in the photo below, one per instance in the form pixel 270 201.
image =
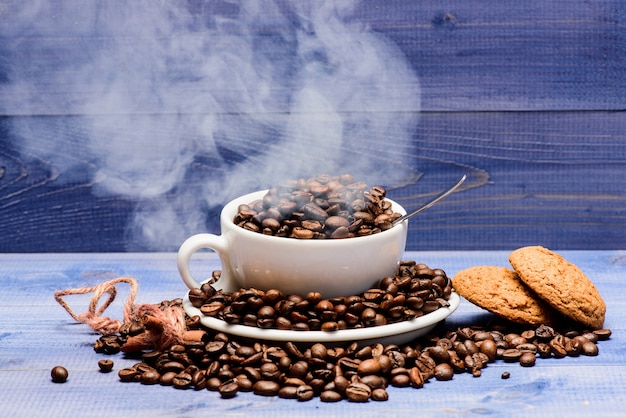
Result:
pixel 397 333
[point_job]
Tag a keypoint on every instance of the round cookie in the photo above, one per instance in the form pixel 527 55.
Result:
pixel 499 290
pixel 560 283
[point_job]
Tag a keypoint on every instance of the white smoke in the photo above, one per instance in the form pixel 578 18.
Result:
pixel 181 106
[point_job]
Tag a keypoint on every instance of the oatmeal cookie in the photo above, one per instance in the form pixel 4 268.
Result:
pixel 560 283
pixel 500 291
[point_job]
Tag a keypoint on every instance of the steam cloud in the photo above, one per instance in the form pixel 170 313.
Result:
pixel 181 106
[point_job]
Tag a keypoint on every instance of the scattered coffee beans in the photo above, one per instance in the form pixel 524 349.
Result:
pixel 321 207
pixel 355 373
pixel 215 361
pixel 59 374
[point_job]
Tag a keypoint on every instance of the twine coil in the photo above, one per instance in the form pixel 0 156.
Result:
pixel 164 324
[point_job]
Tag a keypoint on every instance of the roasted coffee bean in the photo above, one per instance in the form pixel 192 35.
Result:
pixel 475 362
pixel 425 365
pixel 369 366
pixel 182 380
pixel 228 389
pixel 198 379
pixel 439 354
pixel 544 333
pixel 105 365
pixel 603 334
pixel 572 347
pixel 402 380
pixel 330 326
pixel 305 393
pixel 457 364
pixel 358 392
pixel 489 348
pixel 471 346
pixel 252 359
pixel 212 308
pixel 197 297
pixel 215 347
pixel 330 396
pixel 341 383
pixel 505 375
pixel 511 355
pixel 348 364
pixel 515 340
pixel 59 374
pixel 167 379
pixel 288 392
pixel 443 371
pixel 374 381
pixel 460 349
pixel 269 371
pixel 544 350
pixel 589 348
pixel 557 346
pixel 128 374
pixel 527 359
pixel 591 336
pixel 111 347
pixel 150 377
pixel 319 351
pixel 172 366
pixel 527 348
pixel 416 378
pixel 380 394
pixel 213 383
pixel 266 388
pixel 245 384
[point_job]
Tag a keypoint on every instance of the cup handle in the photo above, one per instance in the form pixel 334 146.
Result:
pixel 198 242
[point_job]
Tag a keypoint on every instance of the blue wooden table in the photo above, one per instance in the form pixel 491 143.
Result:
pixel 36 334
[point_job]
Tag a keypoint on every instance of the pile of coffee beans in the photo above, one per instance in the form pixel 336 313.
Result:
pixel 215 361
pixel 318 208
pixel 220 363
pixel 415 290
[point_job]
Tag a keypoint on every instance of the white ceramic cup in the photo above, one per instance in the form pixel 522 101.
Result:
pixel 333 267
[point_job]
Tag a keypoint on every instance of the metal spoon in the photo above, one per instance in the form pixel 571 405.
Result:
pixel 431 203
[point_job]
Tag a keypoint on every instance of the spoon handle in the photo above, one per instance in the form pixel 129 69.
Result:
pixel 432 202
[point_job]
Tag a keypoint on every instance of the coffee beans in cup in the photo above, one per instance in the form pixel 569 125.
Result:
pixel 320 207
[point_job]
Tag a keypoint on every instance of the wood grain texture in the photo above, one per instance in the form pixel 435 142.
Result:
pixel 547 178
pixel 36 334
pixel 472 55
pixel 469 55
pixel 528 98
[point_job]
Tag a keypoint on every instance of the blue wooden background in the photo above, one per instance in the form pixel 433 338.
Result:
pixel 125 126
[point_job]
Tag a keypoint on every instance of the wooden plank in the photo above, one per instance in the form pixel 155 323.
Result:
pixel 551 178
pixel 539 55
pixel 547 178
pixel 37 334
pixel 535 55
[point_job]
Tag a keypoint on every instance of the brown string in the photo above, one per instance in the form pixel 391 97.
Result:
pixel 164 325
pixel 93 318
